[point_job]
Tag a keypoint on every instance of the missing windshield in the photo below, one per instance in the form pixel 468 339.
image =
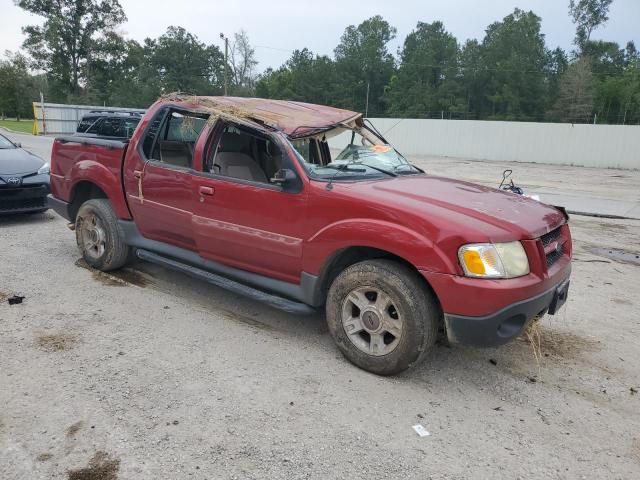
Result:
pixel 350 154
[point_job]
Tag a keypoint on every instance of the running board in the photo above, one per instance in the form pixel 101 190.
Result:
pixel 222 282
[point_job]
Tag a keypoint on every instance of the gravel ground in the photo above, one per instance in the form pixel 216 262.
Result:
pixel 148 374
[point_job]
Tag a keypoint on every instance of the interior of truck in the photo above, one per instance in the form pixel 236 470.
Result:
pixel 177 138
pixel 244 154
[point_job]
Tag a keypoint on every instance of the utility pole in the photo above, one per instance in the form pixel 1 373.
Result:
pixel 226 62
pixel 366 108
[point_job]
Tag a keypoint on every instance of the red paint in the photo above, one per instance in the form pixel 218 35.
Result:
pixel 422 219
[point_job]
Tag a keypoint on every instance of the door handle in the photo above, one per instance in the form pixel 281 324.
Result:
pixel 137 173
pixel 206 191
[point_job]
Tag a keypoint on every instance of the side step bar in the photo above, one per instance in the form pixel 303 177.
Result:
pixel 222 282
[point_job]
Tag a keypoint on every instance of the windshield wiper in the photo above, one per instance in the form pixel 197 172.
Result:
pixel 349 167
pixel 382 170
pixel 341 168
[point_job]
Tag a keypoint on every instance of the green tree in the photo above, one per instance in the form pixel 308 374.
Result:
pixel 427 78
pixel 575 100
pixel 137 83
pixel 185 64
pixel 363 60
pixel 556 67
pixel 588 15
pixel 304 77
pixel 18 88
pixel 473 78
pixel 67 39
pixel 515 63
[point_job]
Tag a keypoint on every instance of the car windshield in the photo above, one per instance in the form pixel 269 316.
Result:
pixel 5 143
pixel 365 156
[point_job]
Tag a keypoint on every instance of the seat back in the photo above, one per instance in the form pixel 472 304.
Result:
pixel 239 165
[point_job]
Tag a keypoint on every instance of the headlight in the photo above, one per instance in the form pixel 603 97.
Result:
pixel 494 260
pixel 44 169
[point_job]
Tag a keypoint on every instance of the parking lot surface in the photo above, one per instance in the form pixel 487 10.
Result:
pixel 148 374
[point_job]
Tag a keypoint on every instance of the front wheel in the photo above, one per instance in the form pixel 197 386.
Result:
pixel 99 237
pixel 382 316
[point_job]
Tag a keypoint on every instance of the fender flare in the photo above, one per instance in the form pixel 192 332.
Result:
pixel 101 176
pixel 403 242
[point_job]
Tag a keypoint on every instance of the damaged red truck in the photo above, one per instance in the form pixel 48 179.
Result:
pixel 252 192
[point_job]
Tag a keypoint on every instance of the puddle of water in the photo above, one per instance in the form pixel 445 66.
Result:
pixel 617 254
pixel 117 278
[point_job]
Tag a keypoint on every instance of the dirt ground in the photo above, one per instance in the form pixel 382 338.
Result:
pixel 148 374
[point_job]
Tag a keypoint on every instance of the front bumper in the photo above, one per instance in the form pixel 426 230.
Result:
pixel 506 324
pixel 28 197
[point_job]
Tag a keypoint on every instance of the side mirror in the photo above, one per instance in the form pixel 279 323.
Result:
pixel 17 144
pixel 283 177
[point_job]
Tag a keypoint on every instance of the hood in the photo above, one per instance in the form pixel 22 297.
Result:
pixel 16 161
pixel 490 212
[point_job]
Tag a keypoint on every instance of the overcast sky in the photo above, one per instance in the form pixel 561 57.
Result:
pixel 276 27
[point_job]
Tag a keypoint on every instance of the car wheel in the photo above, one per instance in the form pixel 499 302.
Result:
pixel 382 316
pixel 99 237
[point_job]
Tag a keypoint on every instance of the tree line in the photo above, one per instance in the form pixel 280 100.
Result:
pixel 511 74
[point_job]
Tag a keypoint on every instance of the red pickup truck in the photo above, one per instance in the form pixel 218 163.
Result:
pixel 306 204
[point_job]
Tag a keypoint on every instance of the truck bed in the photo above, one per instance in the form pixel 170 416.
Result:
pixel 75 159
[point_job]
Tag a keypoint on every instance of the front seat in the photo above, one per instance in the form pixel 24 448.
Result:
pixel 240 165
pixel 232 162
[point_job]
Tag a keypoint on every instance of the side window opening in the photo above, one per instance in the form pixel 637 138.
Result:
pixel 243 154
pixel 171 139
pixel 313 150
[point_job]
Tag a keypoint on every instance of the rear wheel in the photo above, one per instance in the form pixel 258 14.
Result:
pixel 382 316
pixel 99 238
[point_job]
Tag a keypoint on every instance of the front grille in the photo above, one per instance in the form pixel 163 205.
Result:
pixel 552 236
pixel 27 197
pixel 548 239
pixel 8 205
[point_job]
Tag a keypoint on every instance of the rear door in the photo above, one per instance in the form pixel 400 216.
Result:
pixel 242 218
pixel 161 193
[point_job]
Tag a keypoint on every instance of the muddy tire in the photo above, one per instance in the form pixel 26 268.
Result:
pixel 382 316
pixel 99 237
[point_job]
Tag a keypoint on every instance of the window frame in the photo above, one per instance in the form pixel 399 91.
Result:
pixel 213 142
pixel 165 112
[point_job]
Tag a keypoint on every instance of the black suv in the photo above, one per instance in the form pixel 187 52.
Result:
pixel 109 124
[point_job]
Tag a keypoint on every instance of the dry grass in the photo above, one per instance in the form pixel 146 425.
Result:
pixel 533 334
pixel 56 343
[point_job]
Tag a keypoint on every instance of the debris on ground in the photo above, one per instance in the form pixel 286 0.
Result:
pixel 15 300
pixel 421 431
pixel 493 361
pixel 633 390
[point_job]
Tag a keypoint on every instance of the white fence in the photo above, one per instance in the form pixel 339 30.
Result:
pixel 608 146
pixel 56 119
